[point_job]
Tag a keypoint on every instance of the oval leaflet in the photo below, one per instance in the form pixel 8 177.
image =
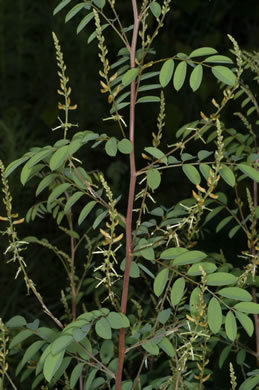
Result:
pixel 214 315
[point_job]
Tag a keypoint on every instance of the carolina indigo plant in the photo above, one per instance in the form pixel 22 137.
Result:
pixel 143 305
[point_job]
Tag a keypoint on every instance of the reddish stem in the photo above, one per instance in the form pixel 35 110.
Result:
pixel 130 199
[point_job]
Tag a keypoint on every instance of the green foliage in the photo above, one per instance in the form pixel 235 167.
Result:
pixel 141 288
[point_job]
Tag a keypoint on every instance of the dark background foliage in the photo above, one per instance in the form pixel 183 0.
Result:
pixel 28 104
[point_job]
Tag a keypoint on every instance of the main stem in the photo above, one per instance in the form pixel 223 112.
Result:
pixel 130 199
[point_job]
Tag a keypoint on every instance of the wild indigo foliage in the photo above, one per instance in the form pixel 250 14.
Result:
pixel 145 307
